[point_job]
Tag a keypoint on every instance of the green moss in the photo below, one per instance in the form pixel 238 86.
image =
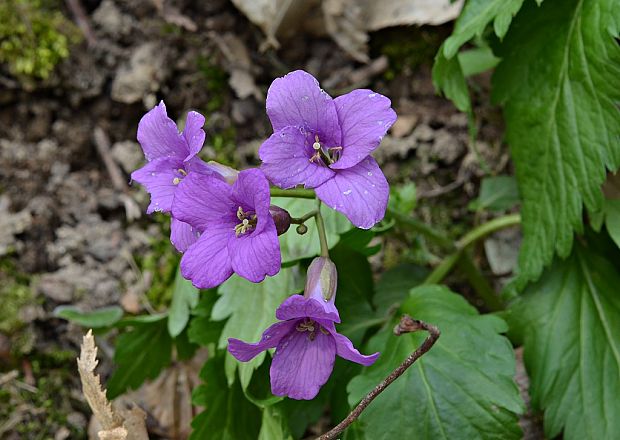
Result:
pixel 216 83
pixel 34 37
pixel 43 410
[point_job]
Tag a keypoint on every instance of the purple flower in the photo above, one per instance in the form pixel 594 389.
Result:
pixel 237 232
pixel 170 157
pixel 306 340
pixel 325 144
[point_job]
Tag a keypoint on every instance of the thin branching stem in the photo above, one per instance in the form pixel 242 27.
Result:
pixel 406 325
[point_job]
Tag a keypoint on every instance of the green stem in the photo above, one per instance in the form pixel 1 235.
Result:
pixel 422 228
pixel 301 220
pixel 480 284
pixel 444 268
pixel 320 227
pixel 488 228
pixel 298 193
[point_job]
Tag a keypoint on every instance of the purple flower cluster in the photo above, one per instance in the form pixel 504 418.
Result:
pixel 223 222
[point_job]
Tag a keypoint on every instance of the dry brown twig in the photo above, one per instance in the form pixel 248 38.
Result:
pixel 116 424
pixel 406 325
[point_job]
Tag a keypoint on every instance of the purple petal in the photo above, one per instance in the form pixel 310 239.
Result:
pixel 197 165
pixel 251 191
pixel 203 201
pixel 297 99
pixel 182 235
pixel 158 177
pixel 206 263
pixel 361 193
pixel 301 365
pixel 244 352
pixel 346 350
pixel 297 307
pixel 256 255
pixel 159 137
pixel 365 117
pixel 286 160
pixel 193 133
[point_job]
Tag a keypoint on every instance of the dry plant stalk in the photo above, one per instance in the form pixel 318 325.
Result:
pixel 116 424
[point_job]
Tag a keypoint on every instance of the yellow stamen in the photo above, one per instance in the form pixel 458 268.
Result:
pixel 176 181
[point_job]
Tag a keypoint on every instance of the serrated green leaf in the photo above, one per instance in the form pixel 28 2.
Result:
pixel 250 309
pixel 184 299
pixel 612 220
pixel 448 78
pixel 477 60
pixel 403 198
pixel 141 353
pixel 462 388
pixel 497 193
pixel 294 246
pixel 227 415
pixel 354 292
pixel 394 286
pixel 103 317
pixel 274 425
pixel 475 17
pixel 570 322
pixel 559 82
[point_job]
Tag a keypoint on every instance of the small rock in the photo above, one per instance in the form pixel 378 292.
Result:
pixel 111 20
pixel 403 125
pixel 11 224
pixel 446 147
pixel 424 133
pixel 141 75
pixel 128 155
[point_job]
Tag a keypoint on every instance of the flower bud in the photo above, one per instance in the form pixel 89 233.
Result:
pixel 281 217
pixel 229 174
pixel 322 280
pixel 301 229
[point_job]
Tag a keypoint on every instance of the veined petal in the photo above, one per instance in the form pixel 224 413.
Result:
pixel 365 117
pixel 361 193
pixel 197 165
pixel 182 235
pixel 193 133
pixel 244 351
pixel 286 161
pixel 159 137
pixel 204 201
pixel 302 364
pixel 296 99
pixel 207 263
pixel 297 307
pixel 256 255
pixel 251 191
pixel 346 350
pixel 158 177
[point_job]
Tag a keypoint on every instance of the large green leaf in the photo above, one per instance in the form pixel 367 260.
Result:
pixel 141 353
pixel 559 83
pixel 295 246
pixel 228 415
pixel 448 75
pixel 250 309
pixel 184 299
pixel 462 388
pixel 570 323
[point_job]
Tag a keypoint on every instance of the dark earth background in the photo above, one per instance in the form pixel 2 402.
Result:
pixel 73 231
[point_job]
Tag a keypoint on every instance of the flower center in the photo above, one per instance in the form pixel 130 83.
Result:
pixel 323 155
pixel 178 179
pixel 248 221
pixel 310 326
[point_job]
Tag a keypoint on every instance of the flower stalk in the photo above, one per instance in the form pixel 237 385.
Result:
pixel 320 226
